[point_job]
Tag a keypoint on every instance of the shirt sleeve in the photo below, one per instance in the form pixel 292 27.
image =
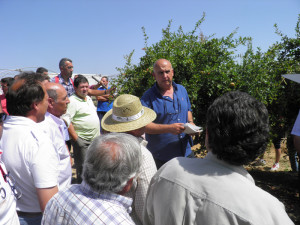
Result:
pixel 71 110
pixel 296 128
pixel 146 101
pixel 45 164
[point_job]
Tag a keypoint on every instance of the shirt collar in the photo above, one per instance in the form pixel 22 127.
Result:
pixel 60 77
pixel 57 120
pixel 238 169
pixel 108 196
pixel 156 88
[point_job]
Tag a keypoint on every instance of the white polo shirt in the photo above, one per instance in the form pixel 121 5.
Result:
pixel 31 159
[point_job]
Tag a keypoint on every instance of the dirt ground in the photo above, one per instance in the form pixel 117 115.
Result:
pixel 283 184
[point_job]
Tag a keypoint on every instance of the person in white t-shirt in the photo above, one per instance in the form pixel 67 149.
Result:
pixel 8 213
pixel 54 127
pixel 28 153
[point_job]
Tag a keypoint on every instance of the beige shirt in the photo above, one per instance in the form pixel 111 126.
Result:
pixel 209 191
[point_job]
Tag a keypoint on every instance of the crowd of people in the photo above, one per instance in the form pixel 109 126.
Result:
pixel 133 159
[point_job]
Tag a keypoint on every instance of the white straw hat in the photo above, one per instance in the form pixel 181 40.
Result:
pixel 127 114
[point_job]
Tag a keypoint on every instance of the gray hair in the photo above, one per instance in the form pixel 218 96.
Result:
pixel 111 161
pixel 63 61
pixel 52 94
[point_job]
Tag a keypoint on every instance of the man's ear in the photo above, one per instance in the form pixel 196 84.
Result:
pixel 34 106
pixel 127 187
pixel 153 75
pixel 50 102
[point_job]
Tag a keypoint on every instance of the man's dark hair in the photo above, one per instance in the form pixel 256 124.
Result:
pixel 237 127
pixel 80 79
pixel 7 80
pixel 41 70
pixel 63 61
pixel 23 93
pixel 105 78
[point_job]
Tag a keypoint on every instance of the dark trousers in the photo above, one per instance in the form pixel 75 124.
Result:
pixel 79 150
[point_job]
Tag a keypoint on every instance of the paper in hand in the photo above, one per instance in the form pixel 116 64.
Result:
pixel 192 129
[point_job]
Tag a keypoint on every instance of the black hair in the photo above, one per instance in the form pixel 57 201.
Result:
pixel 80 79
pixel 238 128
pixel 23 93
pixel 63 61
pixel 41 70
pixel 8 80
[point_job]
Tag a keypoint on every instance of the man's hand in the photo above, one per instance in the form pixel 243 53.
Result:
pixel 176 128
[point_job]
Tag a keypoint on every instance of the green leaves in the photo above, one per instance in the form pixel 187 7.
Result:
pixel 208 67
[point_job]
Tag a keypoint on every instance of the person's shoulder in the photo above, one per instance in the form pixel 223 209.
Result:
pixel 73 98
pixel 88 98
pixel 148 96
pixel 179 86
pixel 175 167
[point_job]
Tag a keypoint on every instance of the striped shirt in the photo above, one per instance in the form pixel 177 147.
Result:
pixel 79 204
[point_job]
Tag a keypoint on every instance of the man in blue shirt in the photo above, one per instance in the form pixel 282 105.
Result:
pixel 171 103
pixel 104 101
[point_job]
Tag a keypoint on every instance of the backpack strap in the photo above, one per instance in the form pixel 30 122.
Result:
pixel 57 80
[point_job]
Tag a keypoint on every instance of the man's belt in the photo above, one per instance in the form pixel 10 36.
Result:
pixel 29 214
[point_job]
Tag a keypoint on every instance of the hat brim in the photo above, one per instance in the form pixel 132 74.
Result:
pixel 111 125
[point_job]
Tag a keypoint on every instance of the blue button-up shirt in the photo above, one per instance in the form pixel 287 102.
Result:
pixel 167 146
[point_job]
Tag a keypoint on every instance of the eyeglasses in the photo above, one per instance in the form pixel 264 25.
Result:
pixel 12 183
pixel 70 67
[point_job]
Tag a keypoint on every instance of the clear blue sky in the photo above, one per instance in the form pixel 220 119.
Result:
pixel 97 34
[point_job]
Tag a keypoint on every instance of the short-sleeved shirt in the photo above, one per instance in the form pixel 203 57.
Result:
pixel 68 86
pixel 167 146
pixel 54 127
pixel 31 159
pixel 104 106
pixel 84 117
pixel 80 204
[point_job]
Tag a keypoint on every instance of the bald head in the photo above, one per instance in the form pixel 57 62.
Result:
pixel 58 99
pixel 163 74
pixel 161 62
